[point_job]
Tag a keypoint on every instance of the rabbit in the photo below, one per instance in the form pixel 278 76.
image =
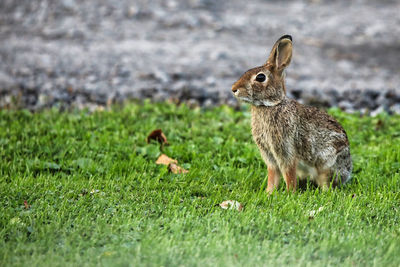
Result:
pixel 295 140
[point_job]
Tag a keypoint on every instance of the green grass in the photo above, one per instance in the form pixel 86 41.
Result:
pixel 144 215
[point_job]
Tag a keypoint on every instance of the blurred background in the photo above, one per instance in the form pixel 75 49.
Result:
pixel 93 53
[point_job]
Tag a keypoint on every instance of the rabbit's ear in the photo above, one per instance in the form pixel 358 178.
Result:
pixel 281 53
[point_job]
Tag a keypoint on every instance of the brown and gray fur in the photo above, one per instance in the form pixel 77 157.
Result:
pixel 295 140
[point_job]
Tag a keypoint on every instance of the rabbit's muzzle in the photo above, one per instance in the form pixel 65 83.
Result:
pixel 236 92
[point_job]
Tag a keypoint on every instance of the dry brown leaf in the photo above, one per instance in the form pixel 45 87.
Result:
pixel 165 160
pixel 27 206
pixel 379 125
pixel 231 204
pixel 159 136
pixel 172 167
pixel 171 163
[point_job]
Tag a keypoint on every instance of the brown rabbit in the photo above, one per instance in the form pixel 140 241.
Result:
pixel 294 140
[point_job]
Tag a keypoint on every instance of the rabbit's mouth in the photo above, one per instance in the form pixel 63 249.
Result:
pixel 251 100
pixel 255 102
pixel 236 93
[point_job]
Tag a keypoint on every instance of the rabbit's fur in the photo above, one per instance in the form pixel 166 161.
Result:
pixel 294 140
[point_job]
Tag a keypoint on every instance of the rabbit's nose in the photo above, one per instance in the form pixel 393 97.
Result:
pixel 234 90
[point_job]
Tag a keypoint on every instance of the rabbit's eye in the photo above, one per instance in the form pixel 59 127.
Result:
pixel 260 77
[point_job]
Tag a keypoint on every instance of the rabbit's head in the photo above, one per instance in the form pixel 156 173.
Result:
pixel 264 85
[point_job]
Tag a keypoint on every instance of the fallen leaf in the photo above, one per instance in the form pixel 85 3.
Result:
pixel 231 204
pixel 27 206
pixel 165 160
pixel 171 163
pixel 379 125
pixel 159 136
pixel 172 167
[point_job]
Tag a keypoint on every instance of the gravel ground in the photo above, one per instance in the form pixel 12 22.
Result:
pixel 96 52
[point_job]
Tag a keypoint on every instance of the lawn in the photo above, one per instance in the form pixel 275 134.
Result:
pixel 83 189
